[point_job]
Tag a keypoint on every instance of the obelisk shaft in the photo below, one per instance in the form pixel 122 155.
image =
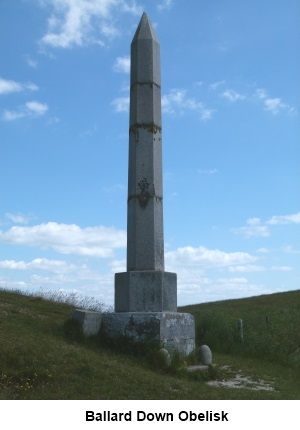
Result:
pixel 145 287
pixel 145 242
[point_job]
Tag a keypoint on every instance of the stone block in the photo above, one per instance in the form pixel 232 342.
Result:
pixel 145 61
pixel 146 291
pixel 173 331
pixel 146 224
pixel 145 101
pixel 90 321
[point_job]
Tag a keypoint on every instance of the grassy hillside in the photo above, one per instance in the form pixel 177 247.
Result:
pixel 43 355
pixel 270 326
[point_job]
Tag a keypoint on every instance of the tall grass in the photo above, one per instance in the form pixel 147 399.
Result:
pixel 71 298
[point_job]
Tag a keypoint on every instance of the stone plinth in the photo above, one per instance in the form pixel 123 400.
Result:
pixel 173 331
pixel 146 291
pixel 90 321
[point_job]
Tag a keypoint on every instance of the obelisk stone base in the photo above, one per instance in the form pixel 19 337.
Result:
pixel 89 321
pixel 146 291
pixel 173 331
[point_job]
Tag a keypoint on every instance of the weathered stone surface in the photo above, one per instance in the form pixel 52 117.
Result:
pixel 145 54
pixel 174 331
pixel 145 241
pixel 145 287
pixel 145 291
pixel 90 321
pixel 205 355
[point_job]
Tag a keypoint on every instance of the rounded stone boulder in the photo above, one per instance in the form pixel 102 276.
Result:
pixel 205 355
pixel 164 358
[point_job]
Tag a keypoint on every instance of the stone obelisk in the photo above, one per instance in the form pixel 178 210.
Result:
pixel 145 243
pixel 146 295
pixel 145 286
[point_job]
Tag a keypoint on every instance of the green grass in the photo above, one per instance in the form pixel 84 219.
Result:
pixel 43 355
pixel 270 327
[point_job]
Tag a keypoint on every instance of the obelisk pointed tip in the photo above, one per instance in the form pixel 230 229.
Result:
pixel 145 29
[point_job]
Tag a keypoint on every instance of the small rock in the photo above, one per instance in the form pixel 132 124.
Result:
pixel 205 355
pixel 164 357
pixel 197 368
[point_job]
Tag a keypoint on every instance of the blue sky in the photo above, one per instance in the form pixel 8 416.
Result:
pixel 230 100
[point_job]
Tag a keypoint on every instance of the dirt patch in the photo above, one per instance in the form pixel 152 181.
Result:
pixel 239 381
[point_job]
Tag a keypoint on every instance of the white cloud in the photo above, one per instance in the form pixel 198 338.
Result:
pixel 9 86
pixel 255 268
pixel 9 115
pixel 177 103
pixel 55 120
pixel 253 229
pixel 165 4
pixel 282 268
pixel 192 265
pixel 32 87
pixel 195 286
pixel 82 22
pixel 44 275
pixel 36 108
pixel 285 219
pixel 233 281
pixel 289 249
pixel 17 218
pixel 173 99
pixel 254 226
pixel 203 258
pixel 56 280
pixel 261 93
pixel 16 285
pixel 122 64
pixel 272 104
pixel 232 95
pixel 202 289
pixel 56 266
pixel 248 268
pixel 114 188
pixel 216 85
pixel 68 238
pixel 118 266
pixel 32 109
pixel 31 62
pixel 263 250
pixel 207 171
pixel 121 104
